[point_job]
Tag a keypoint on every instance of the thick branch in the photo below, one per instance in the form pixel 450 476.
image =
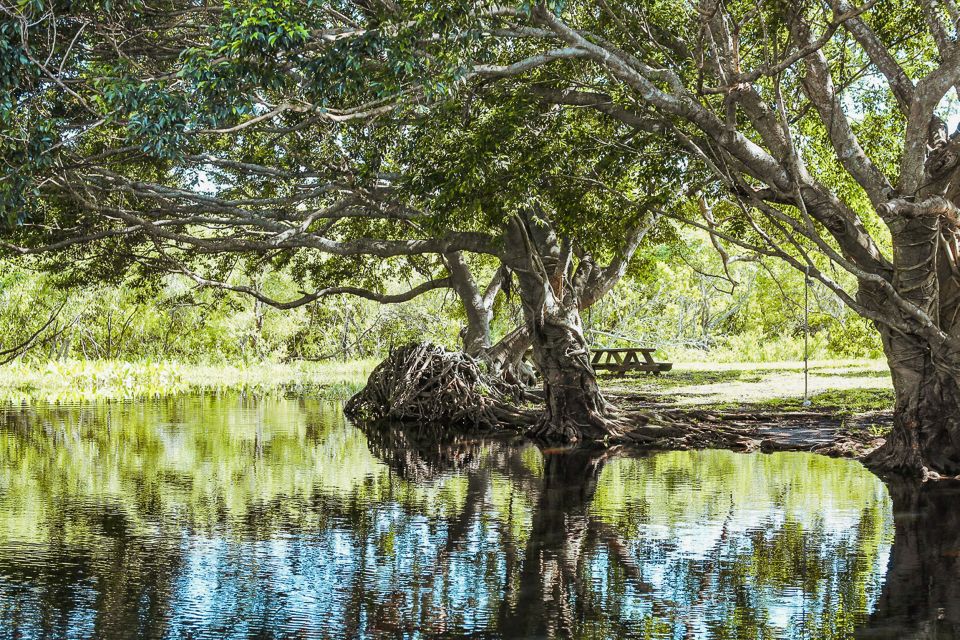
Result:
pixel 818 86
pixel 307 298
pixel 929 92
pixel 880 56
pixel 604 279
pixel 602 103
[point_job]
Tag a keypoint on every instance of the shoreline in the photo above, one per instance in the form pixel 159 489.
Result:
pixel 757 404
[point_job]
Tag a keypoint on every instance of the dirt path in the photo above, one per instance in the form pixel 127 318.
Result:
pixel 706 384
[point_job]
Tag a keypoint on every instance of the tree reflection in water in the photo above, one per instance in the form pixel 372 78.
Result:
pixel 276 518
pixel 921 594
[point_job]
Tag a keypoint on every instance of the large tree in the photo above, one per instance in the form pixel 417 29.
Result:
pixel 823 123
pixel 534 174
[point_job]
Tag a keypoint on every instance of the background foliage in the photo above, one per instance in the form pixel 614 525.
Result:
pixel 676 297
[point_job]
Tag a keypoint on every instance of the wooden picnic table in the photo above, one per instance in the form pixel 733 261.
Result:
pixel 628 359
pixel 624 360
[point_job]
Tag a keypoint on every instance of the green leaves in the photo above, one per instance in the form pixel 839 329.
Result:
pixel 259 27
pixel 154 116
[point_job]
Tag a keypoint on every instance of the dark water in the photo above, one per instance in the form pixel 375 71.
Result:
pixel 206 518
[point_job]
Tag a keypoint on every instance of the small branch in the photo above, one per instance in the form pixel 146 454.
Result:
pixel 11 354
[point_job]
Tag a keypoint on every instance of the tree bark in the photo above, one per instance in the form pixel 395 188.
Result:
pixel 926 434
pixel 506 358
pixel 920 344
pixel 475 335
pixel 575 408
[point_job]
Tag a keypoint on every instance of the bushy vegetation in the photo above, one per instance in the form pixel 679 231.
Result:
pixel 677 298
pixel 682 299
pixel 72 381
pixel 174 321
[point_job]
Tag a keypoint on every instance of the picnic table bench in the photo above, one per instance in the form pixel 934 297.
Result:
pixel 624 360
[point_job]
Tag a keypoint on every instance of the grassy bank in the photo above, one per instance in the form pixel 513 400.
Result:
pixel 92 380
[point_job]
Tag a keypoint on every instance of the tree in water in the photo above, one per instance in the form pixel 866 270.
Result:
pixel 533 176
pixel 575 407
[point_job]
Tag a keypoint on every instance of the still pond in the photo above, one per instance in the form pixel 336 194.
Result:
pixel 227 517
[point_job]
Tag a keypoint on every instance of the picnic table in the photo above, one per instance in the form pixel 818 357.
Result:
pixel 627 359
pixel 623 360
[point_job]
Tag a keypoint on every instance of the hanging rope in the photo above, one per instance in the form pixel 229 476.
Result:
pixel 806 336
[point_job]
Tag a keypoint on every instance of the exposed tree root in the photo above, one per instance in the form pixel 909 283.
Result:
pixel 648 429
pixel 427 384
pixel 684 430
pixel 903 454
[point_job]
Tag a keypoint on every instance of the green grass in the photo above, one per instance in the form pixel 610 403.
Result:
pixel 847 386
pixel 682 377
pixel 91 380
pixel 838 401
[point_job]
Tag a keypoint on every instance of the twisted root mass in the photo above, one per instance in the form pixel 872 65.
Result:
pixel 425 383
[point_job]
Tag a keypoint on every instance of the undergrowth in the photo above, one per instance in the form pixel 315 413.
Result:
pixel 91 380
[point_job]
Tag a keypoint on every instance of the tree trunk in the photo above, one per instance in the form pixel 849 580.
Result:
pixel 926 434
pixel 589 283
pixel 506 358
pixel 921 345
pixel 575 407
pixel 475 337
pixel 476 334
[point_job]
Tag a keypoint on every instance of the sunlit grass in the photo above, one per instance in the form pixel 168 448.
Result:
pixel 855 385
pixel 840 401
pixel 91 380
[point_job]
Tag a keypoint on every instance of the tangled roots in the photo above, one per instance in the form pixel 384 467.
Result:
pixel 425 383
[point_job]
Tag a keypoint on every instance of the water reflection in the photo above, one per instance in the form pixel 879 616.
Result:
pixel 921 595
pixel 276 518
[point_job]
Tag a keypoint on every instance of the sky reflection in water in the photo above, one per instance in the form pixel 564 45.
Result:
pixel 229 518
